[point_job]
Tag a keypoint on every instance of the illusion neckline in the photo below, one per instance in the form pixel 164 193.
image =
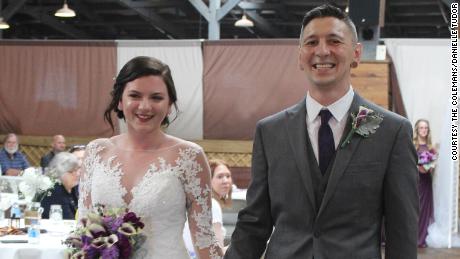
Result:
pixel 117 146
pixel 151 170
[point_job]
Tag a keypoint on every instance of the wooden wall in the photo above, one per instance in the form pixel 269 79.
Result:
pixel 236 153
pixel 372 81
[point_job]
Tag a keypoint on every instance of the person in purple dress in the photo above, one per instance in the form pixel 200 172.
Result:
pixel 426 154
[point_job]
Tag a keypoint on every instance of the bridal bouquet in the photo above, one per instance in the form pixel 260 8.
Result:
pixel 427 159
pixel 35 185
pixel 106 233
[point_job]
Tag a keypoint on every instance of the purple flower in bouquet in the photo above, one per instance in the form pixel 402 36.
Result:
pixel 133 219
pixel 75 240
pixel 107 234
pixel 90 251
pixel 426 159
pixel 79 255
pixel 111 252
pixel 112 223
pixel 86 240
pixel 96 230
pixel 124 245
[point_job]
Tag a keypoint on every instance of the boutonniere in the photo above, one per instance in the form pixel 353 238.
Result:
pixel 364 123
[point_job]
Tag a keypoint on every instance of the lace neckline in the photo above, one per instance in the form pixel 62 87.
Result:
pixel 116 145
pixel 156 167
pixel 128 193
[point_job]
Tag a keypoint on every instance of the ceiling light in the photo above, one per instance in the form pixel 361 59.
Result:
pixel 244 22
pixel 3 24
pixel 65 11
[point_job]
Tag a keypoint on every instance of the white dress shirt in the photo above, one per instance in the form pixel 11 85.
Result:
pixel 339 111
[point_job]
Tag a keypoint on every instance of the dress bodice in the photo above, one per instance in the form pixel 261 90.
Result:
pixel 161 186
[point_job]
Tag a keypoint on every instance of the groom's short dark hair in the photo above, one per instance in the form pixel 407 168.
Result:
pixel 328 10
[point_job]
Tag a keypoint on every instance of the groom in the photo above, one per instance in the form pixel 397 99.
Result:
pixel 298 207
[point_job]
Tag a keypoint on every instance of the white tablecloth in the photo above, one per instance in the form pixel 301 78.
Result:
pixel 49 247
pixel 239 194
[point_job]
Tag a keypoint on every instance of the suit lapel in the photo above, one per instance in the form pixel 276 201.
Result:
pixel 343 155
pixel 297 135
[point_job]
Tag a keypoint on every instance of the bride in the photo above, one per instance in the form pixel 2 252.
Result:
pixel 159 177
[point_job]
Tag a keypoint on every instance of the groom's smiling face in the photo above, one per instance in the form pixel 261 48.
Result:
pixel 327 51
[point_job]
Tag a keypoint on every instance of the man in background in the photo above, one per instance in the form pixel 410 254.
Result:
pixel 57 146
pixel 12 161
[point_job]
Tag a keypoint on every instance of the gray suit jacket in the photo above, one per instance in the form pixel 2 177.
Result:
pixel 369 179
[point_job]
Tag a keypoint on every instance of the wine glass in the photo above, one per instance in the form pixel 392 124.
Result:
pixel 6 200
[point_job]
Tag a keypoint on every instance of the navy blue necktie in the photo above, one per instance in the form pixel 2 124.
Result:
pixel 326 147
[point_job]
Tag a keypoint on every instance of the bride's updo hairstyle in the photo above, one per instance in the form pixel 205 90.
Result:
pixel 135 68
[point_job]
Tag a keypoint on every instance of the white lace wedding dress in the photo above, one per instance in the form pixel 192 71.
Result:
pixel 159 186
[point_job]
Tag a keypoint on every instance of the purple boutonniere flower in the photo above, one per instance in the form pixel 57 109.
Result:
pixel 364 123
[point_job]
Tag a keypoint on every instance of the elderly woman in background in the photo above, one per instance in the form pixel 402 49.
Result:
pixel 78 151
pixel 66 167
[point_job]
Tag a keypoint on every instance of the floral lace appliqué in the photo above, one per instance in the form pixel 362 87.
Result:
pixel 158 196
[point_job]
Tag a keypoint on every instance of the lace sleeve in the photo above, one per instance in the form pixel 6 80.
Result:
pixel 198 192
pixel 84 200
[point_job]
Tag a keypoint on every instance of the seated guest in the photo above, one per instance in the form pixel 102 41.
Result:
pixel 66 167
pixel 221 182
pixel 221 185
pixel 12 161
pixel 78 151
pixel 57 146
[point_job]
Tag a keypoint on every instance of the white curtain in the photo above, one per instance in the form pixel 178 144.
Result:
pixel 445 194
pixel 423 71
pixel 185 59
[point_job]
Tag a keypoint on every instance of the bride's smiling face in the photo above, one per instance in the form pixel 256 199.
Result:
pixel 145 103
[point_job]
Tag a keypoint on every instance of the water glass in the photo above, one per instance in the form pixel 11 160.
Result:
pixel 15 212
pixel 33 213
pixel 56 212
pixel 33 233
pixel 5 203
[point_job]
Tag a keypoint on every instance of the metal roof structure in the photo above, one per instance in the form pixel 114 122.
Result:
pixel 179 19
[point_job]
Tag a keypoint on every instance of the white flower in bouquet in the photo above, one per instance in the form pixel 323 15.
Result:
pixel 29 172
pixel 45 183
pixel 34 184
